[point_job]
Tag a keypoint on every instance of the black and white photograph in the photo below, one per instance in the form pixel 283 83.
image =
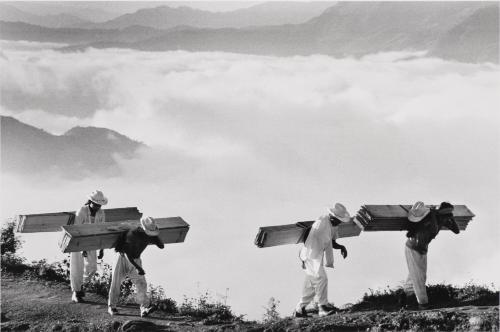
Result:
pixel 259 166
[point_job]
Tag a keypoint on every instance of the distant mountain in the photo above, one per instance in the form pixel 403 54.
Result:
pixel 24 31
pixel 357 28
pixel 272 13
pixel 479 32
pixel 80 151
pixel 10 13
pixel 464 31
pixel 87 11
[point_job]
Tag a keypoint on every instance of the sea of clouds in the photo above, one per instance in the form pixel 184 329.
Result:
pixel 242 141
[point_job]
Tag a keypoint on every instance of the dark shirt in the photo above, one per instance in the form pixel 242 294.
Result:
pixel 420 234
pixel 134 241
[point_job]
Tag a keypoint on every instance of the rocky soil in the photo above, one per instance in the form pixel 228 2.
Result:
pixel 37 305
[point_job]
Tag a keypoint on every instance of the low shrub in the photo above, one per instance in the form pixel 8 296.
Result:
pixel 13 263
pixel 204 307
pixel 9 242
pixel 271 313
pixel 160 301
pixel 440 295
pixel 57 271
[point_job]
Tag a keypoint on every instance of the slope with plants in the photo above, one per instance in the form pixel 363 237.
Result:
pixel 36 297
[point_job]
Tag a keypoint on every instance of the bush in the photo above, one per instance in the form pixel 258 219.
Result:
pixel 58 271
pixel 99 283
pixel 9 242
pixel 160 301
pixel 383 299
pixel 13 263
pixel 271 314
pixel 440 295
pixel 472 294
pixel 204 307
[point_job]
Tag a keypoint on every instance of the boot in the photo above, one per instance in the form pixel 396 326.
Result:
pixel 112 311
pixel 301 314
pixel 326 310
pixel 76 297
pixel 146 311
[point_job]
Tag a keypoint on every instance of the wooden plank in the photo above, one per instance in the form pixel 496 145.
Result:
pixel 393 217
pixel 378 226
pixel 103 236
pixel 400 211
pixel 271 236
pixel 52 222
pixel 278 235
pixel 386 211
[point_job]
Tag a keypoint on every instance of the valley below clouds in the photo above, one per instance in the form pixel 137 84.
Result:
pixel 235 142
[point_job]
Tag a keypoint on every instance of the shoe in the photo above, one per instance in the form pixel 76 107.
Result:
pixel 76 298
pixel 112 311
pixel 301 314
pixel 146 311
pixel 326 310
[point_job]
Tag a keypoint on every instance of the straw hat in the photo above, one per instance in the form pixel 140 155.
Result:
pixel 340 212
pixel 418 212
pixel 149 226
pixel 98 197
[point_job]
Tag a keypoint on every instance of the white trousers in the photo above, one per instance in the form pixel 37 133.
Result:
pixel 81 268
pixel 315 284
pixel 417 275
pixel 122 269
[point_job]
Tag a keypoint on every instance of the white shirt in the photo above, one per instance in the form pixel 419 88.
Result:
pixel 319 244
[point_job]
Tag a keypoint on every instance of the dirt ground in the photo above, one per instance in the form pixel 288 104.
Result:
pixel 36 305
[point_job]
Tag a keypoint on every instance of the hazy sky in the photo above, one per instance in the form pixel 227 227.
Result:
pixel 241 141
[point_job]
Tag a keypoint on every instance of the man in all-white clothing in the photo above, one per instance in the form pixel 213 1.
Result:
pixel 83 264
pixel 129 248
pixel 320 242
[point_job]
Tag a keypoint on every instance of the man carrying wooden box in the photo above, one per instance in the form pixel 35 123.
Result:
pixel 320 242
pixel 423 226
pixel 83 264
pixel 129 248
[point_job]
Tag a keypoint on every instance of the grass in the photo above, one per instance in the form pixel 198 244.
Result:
pixel 440 295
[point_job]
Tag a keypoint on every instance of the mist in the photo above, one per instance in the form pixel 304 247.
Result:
pixel 240 141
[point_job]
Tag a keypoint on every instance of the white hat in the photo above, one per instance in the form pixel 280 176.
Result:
pixel 98 197
pixel 149 226
pixel 418 212
pixel 340 212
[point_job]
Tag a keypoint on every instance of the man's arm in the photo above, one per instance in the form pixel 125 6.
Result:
pixel 343 250
pixel 411 227
pixel 140 270
pixel 156 240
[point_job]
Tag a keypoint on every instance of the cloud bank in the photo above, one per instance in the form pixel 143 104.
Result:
pixel 243 141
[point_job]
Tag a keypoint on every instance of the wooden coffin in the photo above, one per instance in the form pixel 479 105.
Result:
pixel 375 218
pixel 52 222
pixel 103 236
pixel 271 236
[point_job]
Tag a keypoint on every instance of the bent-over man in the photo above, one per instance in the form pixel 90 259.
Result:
pixel 423 226
pixel 129 248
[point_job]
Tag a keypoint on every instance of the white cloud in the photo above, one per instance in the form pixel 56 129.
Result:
pixel 241 141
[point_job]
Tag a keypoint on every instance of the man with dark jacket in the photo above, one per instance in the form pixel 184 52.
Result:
pixel 129 248
pixel 423 226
